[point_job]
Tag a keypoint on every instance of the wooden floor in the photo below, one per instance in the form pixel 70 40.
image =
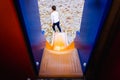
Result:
pixel 60 64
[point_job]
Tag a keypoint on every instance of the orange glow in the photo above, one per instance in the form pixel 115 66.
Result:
pixel 60 43
pixel 60 59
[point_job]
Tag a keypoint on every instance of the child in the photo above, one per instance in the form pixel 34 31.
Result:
pixel 55 18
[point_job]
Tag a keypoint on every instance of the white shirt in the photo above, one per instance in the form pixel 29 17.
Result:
pixel 54 17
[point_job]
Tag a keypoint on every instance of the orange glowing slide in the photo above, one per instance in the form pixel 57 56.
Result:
pixel 59 43
pixel 60 59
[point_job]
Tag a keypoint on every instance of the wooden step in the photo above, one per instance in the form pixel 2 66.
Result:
pixel 60 64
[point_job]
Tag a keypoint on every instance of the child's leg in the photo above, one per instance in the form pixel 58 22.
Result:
pixel 54 27
pixel 58 25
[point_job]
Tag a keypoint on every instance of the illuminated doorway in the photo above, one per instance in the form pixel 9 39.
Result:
pixel 70 12
pixel 61 59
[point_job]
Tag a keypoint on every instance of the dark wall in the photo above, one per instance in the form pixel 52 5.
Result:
pixel 14 60
pixel 104 63
pixel 110 68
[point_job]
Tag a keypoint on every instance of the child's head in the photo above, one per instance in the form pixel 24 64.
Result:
pixel 53 7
